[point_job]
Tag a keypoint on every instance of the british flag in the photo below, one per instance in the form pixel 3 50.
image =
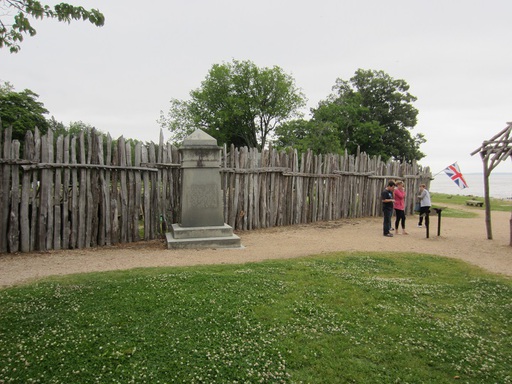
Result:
pixel 453 173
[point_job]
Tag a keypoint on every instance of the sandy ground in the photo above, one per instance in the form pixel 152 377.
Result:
pixel 464 239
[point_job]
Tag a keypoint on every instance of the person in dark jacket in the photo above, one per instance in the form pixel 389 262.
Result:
pixel 387 207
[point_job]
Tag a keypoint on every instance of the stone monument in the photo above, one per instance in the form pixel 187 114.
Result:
pixel 202 220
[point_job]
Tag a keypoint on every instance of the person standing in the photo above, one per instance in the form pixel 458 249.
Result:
pixel 425 203
pixel 399 205
pixel 387 207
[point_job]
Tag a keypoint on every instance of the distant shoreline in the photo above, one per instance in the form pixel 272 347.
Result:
pixel 500 185
pixel 481 197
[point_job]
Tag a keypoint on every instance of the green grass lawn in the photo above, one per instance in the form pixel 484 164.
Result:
pixel 341 318
pixel 441 199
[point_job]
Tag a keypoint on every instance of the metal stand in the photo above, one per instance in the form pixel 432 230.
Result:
pixel 427 221
pixel 438 211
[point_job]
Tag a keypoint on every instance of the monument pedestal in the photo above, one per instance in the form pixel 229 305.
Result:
pixel 202 221
pixel 202 237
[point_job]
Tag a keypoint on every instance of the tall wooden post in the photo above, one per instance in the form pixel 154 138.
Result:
pixel 510 229
pixel 487 198
pixel 497 149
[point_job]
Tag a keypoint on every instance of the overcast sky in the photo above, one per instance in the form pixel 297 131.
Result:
pixel 455 55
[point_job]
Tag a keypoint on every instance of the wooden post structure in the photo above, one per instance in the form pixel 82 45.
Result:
pixel 492 152
pixel 510 230
pixel 487 198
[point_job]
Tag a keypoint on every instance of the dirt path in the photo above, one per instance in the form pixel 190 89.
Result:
pixel 463 239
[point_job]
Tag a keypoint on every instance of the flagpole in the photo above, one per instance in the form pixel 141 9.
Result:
pixel 441 171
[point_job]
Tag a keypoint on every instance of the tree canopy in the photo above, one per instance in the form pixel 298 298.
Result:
pixel 374 112
pixel 73 128
pixel 15 14
pixel 238 103
pixel 304 135
pixel 22 111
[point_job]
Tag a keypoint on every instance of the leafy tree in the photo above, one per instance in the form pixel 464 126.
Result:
pixel 320 137
pixel 179 120
pixel 373 111
pixel 22 111
pixel 238 103
pixel 57 127
pixel 14 18
pixel 73 128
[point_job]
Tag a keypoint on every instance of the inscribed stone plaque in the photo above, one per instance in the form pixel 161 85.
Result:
pixel 204 196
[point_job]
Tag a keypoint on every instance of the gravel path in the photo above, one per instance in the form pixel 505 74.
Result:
pixel 463 239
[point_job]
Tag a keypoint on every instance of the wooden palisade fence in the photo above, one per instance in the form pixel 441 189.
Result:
pixel 86 191
pixel 278 188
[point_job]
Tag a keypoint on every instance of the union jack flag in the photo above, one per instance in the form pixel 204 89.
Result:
pixel 453 173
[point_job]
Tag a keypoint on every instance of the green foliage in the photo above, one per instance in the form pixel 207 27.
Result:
pixel 179 121
pixel 73 128
pixel 241 104
pixel 374 112
pixel 496 204
pixel 238 103
pixel 339 318
pixel 12 31
pixel 320 137
pixel 453 212
pixel 22 111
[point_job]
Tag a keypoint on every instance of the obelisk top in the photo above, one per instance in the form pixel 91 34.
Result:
pixel 199 138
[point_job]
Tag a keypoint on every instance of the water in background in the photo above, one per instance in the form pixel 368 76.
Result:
pixel 500 185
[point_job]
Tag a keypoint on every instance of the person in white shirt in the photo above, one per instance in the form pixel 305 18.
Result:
pixel 425 203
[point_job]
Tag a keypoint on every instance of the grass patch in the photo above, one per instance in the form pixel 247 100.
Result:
pixel 365 318
pixel 453 212
pixel 496 204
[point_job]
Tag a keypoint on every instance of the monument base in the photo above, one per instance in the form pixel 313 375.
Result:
pixel 202 237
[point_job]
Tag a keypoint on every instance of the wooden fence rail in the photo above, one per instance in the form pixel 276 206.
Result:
pixel 86 191
pixel 276 188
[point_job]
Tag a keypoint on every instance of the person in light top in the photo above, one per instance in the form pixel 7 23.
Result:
pixel 425 203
